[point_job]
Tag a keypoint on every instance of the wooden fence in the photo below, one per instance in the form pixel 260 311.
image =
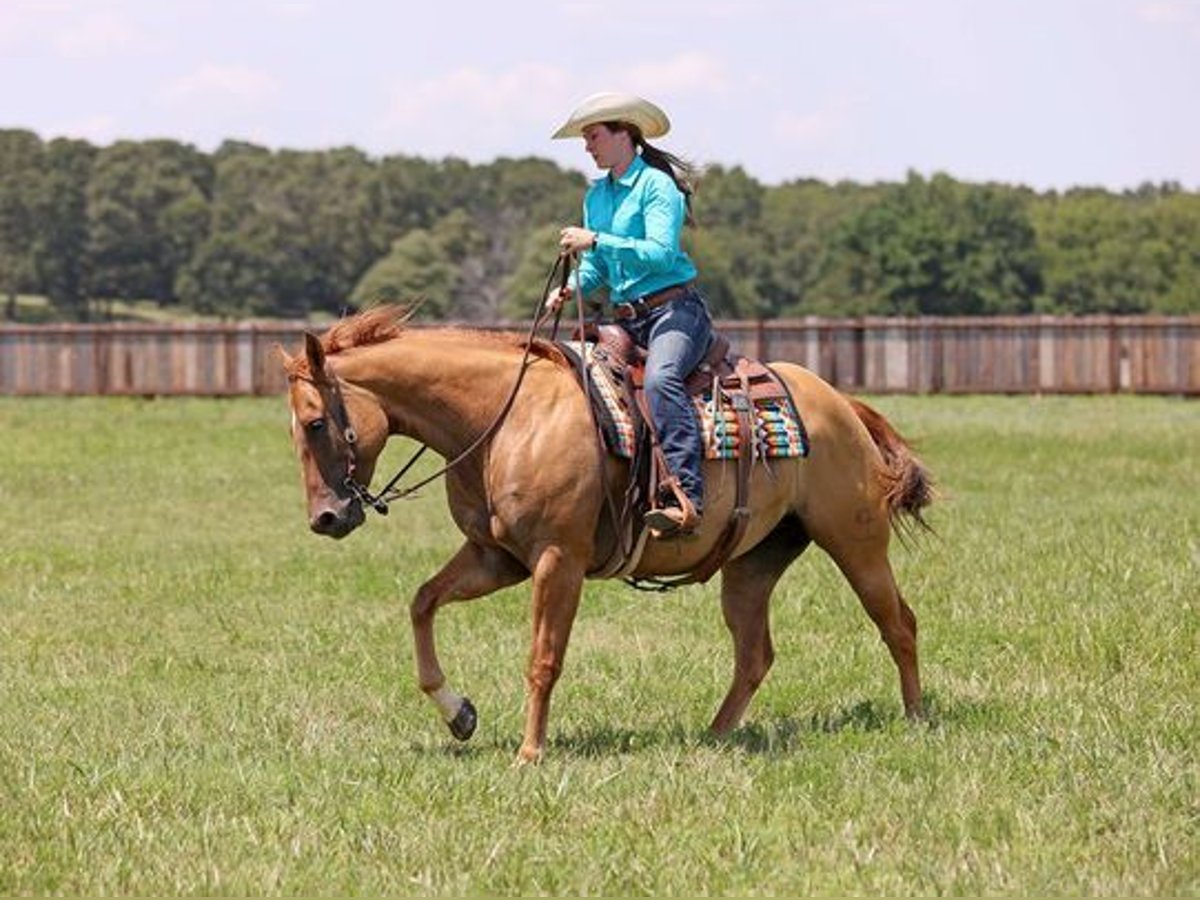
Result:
pixel 1034 354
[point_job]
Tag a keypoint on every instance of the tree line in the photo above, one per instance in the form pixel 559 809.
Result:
pixel 246 231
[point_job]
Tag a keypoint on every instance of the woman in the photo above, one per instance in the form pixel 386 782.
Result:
pixel 629 244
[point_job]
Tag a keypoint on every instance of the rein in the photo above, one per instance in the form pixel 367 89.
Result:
pixel 379 502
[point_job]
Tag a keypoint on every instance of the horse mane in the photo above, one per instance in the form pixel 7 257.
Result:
pixel 388 321
pixel 373 325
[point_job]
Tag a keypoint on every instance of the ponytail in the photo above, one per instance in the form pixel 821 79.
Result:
pixel 680 171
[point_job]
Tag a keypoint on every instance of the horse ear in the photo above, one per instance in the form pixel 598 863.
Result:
pixel 316 354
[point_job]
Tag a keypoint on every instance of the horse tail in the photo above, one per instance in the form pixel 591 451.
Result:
pixel 907 484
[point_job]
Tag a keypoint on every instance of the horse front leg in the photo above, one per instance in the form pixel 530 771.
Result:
pixel 473 571
pixel 557 584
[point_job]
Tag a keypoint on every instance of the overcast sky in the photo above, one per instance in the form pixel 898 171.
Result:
pixel 1046 93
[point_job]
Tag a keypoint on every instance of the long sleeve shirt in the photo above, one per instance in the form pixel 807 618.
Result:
pixel 637 219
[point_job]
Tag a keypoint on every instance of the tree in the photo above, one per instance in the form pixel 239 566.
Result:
pixel 147 210
pixel 721 268
pixel 416 269
pixel 229 276
pixel 1109 253
pixel 20 177
pixel 304 222
pixel 728 198
pixel 940 247
pixel 525 286
pixel 250 231
pixel 60 249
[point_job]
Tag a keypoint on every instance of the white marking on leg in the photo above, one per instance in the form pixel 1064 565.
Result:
pixel 447 702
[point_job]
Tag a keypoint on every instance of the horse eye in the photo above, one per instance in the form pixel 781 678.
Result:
pixel 316 426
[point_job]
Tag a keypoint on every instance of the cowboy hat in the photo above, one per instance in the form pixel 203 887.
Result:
pixel 651 121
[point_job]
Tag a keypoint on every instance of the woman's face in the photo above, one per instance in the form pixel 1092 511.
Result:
pixel 608 148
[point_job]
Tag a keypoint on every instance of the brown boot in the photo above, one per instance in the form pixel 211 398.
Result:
pixel 672 520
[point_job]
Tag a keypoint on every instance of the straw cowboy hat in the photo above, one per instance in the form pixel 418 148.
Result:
pixel 610 107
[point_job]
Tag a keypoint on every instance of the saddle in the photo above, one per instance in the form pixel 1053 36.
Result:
pixel 733 379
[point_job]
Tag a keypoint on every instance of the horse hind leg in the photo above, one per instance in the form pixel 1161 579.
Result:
pixel 746 586
pixel 473 571
pixel 870 575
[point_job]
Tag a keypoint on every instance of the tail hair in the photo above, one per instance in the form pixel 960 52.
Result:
pixel 908 485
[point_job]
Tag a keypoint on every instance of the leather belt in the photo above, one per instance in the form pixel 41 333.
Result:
pixel 635 309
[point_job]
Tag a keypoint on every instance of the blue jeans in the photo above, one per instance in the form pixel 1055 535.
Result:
pixel 676 336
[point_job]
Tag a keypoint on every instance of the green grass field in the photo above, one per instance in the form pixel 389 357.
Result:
pixel 200 697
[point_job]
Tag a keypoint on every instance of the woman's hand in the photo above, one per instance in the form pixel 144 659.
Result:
pixel 573 239
pixel 556 298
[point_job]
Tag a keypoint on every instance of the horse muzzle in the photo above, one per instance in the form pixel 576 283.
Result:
pixel 338 519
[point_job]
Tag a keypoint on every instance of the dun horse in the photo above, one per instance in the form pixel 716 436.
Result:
pixel 528 498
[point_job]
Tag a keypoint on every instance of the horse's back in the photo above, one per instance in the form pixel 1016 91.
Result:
pixel 827 414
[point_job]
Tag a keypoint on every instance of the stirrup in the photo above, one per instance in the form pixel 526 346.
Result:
pixel 671 520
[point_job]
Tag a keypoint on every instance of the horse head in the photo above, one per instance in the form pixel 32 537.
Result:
pixel 339 430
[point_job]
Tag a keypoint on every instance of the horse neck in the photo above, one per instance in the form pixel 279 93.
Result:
pixel 435 386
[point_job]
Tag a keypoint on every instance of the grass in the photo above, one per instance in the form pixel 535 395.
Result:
pixel 199 697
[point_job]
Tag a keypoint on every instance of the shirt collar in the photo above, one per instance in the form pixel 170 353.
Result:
pixel 631 174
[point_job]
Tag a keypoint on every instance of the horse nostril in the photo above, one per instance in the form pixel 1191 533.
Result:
pixel 324 522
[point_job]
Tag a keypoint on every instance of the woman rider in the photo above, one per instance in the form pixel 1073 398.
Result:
pixel 629 244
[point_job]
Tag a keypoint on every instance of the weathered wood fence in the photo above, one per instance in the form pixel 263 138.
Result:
pixel 1033 354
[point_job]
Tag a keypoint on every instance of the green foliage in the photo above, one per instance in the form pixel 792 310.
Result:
pixel 1130 253
pixel 433 265
pixel 940 247
pixel 247 230
pixel 802 273
pixel 229 276
pixel 147 212
pixel 523 289
pixel 20 177
pixel 416 268
pixel 202 698
pixel 60 250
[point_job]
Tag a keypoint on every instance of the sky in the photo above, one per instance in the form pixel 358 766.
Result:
pixel 1051 94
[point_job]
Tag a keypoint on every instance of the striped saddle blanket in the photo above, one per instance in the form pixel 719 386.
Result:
pixel 777 429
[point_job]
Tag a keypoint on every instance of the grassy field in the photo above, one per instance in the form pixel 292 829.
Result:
pixel 200 697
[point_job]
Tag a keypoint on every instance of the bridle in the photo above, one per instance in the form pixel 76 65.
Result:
pixel 331 393
pixel 335 404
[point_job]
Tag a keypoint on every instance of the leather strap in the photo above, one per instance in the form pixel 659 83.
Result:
pixel 635 309
pixel 735 529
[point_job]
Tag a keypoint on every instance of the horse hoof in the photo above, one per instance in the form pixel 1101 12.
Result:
pixel 462 726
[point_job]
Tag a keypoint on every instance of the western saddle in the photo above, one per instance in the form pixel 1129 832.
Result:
pixel 732 378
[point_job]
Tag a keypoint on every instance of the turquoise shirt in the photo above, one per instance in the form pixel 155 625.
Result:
pixel 637 219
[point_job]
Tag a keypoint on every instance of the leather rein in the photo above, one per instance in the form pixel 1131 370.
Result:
pixel 390 493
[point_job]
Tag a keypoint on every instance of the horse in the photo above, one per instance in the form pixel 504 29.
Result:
pixel 526 482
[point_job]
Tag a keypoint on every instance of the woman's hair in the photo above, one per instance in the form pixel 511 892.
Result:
pixel 682 172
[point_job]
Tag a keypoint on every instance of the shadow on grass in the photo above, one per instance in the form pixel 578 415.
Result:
pixel 775 736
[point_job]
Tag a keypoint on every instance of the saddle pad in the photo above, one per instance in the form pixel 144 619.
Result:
pixel 778 430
